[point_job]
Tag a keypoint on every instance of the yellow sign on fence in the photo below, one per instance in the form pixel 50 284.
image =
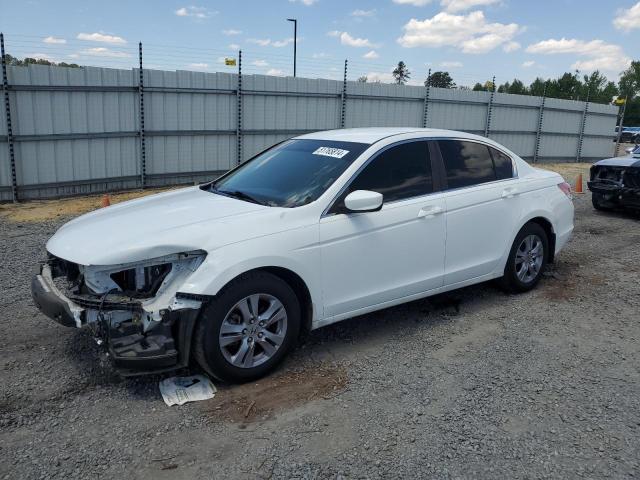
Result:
pixel 230 62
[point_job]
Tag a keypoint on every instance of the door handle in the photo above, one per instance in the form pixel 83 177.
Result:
pixel 430 211
pixel 509 192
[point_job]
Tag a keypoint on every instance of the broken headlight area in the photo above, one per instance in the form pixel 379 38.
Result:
pixel 617 185
pixel 135 309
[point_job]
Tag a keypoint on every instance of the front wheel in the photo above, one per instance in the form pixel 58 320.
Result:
pixel 527 259
pixel 248 328
pixel 599 203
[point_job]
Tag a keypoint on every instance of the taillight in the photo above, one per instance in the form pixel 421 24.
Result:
pixel 566 189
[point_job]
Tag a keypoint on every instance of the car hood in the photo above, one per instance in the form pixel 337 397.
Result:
pixel 171 222
pixel 620 162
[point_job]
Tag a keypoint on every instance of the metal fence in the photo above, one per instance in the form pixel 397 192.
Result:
pixel 70 131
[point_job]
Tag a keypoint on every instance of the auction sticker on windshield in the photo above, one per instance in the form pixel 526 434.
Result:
pixel 331 152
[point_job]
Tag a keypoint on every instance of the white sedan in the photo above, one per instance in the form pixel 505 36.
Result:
pixel 314 230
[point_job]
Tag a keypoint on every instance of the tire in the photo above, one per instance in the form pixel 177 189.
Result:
pixel 234 345
pixel 513 280
pixel 599 203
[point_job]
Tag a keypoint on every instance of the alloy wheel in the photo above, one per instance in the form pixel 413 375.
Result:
pixel 529 258
pixel 253 330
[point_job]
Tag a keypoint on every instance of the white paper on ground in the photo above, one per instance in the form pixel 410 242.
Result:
pixel 179 390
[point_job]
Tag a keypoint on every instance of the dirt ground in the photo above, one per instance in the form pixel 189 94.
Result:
pixel 472 384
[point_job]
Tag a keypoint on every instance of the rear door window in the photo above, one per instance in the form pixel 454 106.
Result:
pixel 466 163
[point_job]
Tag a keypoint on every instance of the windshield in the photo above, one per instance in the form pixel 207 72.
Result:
pixel 291 174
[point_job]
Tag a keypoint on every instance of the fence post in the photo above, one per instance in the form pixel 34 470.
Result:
pixel 7 112
pixel 487 125
pixel 425 112
pixel 239 105
pixel 536 150
pixel 624 107
pixel 343 111
pixel 143 143
pixel 582 126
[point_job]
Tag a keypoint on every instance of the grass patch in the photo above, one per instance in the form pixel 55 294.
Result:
pixel 42 210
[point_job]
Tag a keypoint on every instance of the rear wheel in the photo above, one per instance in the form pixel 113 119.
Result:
pixel 527 259
pixel 248 328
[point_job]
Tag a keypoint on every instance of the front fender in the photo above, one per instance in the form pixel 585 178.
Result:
pixel 297 251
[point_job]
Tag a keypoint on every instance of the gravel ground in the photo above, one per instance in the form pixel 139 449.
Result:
pixel 473 384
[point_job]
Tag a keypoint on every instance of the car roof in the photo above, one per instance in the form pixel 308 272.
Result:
pixel 371 135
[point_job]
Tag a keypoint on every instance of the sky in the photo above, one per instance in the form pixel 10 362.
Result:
pixel 472 39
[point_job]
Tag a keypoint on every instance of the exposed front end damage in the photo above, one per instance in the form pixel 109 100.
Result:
pixel 136 309
pixel 616 185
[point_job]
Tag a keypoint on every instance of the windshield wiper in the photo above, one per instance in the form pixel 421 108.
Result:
pixel 238 194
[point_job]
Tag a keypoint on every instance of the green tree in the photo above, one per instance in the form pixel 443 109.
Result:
pixel 484 87
pixel 537 87
pixel 517 88
pixel 629 86
pixel 629 83
pixel 568 87
pixel 16 62
pixel 362 79
pixel 598 88
pixel 440 80
pixel 401 73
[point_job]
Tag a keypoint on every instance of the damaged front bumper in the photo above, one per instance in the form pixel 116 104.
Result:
pixel 618 186
pixel 141 335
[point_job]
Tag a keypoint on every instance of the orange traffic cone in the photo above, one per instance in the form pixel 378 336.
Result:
pixel 578 187
pixel 106 200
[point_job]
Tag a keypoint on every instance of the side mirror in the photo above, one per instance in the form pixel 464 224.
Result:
pixel 363 201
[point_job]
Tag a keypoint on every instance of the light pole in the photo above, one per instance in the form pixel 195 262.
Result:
pixel 295 42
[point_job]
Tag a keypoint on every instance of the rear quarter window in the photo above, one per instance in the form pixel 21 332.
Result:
pixel 502 163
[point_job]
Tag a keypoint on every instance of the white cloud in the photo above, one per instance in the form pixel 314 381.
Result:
pixel 363 13
pixel 265 42
pixel 627 19
pixel 415 3
pixel 104 52
pixel 231 31
pixel 276 72
pixel 282 43
pixel 346 39
pixel 234 46
pixel 308 3
pixel 320 55
pixel 198 66
pixel 471 33
pixel 382 77
pixel 598 54
pixel 461 5
pixel 451 64
pixel 371 54
pixel 54 40
pixel 260 63
pixel 511 47
pixel 528 63
pixel 102 38
pixel 199 13
pixel 258 41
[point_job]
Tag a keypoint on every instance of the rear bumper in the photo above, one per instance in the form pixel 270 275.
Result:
pixel 133 351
